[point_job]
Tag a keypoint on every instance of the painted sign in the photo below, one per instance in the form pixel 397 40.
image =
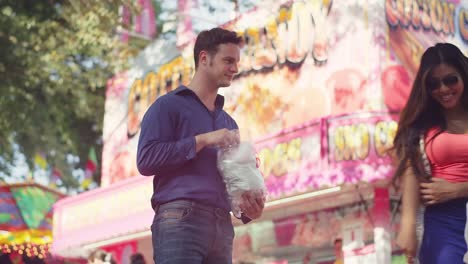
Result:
pixel 357 147
pixel 302 61
pixel 289 161
pixel 414 26
pixel 319 229
pixel 296 67
pixel 327 152
pixel 97 214
pixel 292 56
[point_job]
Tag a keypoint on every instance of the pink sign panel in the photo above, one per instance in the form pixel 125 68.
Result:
pixel 327 152
pixel 290 161
pixel 102 214
pixel 358 147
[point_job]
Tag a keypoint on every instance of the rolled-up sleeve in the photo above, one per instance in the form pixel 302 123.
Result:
pixel 157 147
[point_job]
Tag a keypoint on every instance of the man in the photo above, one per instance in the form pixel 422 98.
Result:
pixel 180 134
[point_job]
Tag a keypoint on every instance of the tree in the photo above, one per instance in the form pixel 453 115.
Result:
pixel 55 58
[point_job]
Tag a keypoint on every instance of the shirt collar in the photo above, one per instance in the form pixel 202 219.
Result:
pixel 219 102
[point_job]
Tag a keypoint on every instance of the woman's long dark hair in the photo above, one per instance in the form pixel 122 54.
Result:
pixel 421 111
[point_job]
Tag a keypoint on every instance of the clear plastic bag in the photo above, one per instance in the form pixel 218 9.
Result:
pixel 238 166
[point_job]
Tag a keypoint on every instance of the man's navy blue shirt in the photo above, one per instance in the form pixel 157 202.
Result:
pixel 167 149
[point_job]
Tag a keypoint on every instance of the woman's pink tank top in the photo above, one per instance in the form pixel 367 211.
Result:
pixel 448 155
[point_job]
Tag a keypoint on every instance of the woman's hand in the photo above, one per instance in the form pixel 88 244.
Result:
pixel 407 241
pixel 440 190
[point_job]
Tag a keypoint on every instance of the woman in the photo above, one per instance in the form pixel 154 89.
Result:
pixel 437 111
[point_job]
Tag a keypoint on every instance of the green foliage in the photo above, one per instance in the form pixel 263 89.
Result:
pixel 55 59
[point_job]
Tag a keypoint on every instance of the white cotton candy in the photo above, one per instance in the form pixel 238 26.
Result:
pixel 238 166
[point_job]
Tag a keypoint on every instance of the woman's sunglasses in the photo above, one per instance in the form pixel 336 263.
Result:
pixel 449 80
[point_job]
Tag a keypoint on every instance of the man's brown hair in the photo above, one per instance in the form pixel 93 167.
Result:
pixel 209 40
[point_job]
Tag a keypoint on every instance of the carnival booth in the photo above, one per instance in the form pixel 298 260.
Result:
pixel 26 222
pixel 318 88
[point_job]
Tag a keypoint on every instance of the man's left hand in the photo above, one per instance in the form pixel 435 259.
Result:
pixel 252 204
pixel 438 191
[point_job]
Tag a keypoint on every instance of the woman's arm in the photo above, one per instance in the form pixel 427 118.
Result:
pixel 440 190
pixel 461 190
pixel 407 239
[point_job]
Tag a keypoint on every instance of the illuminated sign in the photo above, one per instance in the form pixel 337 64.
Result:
pixel 280 159
pixel 328 152
pixel 354 141
pixel 123 208
pixel 144 92
pixel 296 66
pixel 435 15
pixel 280 42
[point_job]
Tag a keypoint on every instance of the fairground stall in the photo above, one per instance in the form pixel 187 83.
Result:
pixel 319 89
pixel 26 222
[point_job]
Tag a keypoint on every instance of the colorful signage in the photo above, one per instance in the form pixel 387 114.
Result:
pixel 103 213
pixel 357 147
pixel 289 161
pixel 327 152
pixel 414 26
pixel 293 56
pixel 440 17
pixel 26 214
pixel 302 61
pixel 319 229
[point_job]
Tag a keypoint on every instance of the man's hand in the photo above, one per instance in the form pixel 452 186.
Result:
pixel 439 191
pixel 252 204
pixel 219 138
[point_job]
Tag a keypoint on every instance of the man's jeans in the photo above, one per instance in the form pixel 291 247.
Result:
pixel 186 232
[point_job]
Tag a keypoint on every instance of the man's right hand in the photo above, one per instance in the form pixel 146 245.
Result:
pixel 219 138
pixel 252 204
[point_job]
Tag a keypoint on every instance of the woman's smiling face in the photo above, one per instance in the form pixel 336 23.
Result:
pixel 446 86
